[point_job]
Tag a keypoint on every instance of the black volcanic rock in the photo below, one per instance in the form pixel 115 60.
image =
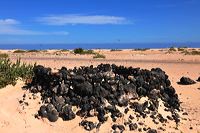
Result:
pixel 133 126
pixel 52 116
pixel 198 79
pixel 67 113
pixel 186 81
pixel 88 125
pixel 152 131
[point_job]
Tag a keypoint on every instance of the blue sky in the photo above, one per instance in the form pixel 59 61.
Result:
pixel 99 21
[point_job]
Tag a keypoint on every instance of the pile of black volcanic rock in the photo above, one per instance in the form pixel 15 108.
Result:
pixel 97 91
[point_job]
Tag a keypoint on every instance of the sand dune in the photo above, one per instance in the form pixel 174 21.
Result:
pixel 17 118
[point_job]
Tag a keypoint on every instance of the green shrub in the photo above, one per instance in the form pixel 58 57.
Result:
pixel 89 52
pixel 82 51
pixel 20 51
pixel 33 50
pixel 4 55
pixel 99 56
pixel 10 72
pixel 78 51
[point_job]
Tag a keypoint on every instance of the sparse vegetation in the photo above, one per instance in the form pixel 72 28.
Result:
pixel 171 49
pixel 141 49
pixel 193 52
pixel 115 50
pixel 10 72
pixel 3 55
pixel 82 51
pixel 181 49
pixel 44 50
pixel 99 56
pixel 33 50
pixel 20 51
pixel 88 52
pixel 64 50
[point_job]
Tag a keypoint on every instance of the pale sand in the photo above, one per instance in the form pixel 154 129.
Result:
pixel 13 118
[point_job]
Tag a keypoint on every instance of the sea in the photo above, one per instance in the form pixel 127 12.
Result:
pixel 97 46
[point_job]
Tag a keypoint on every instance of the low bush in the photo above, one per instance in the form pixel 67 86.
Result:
pixel 64 50
pixel 20 51
pixel 172 49
pixel 33 50
pixel 10 72
pixel 99 56
pixel 78 51
pixel 194 52
pixel 82 51
pixel 141 49
pixel 3 55
pixel 181 49
pixel 115 50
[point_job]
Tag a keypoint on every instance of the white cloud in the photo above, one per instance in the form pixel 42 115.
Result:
pixel 10 27
pixel 8 21
pixel 81 19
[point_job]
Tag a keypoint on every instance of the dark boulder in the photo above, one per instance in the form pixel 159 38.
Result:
pixel 43 111
pixel 53 116
pixel 88 125
pixel 83 89
pixel 186 81
pixel 67 113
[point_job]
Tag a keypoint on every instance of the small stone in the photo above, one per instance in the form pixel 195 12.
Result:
pixel 131 117
pixel 169 117
pixel 20 101
pixel 185 113
pixel 140 129
pixel 26 103
pixel 88 125
pixel 121 127
pixel 114 127
pixel 152 131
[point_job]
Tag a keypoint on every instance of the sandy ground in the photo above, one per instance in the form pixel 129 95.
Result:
pixel 14 117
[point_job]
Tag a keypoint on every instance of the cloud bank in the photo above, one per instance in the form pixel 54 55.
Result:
pixel 81 19
pixel 11 27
